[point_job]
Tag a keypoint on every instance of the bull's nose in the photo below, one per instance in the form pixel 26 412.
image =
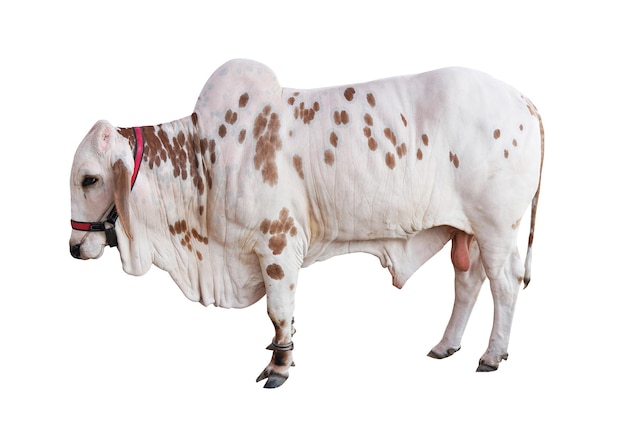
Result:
pixel 75 251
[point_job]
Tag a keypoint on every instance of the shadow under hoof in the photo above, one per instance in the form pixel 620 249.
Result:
pixel 448 353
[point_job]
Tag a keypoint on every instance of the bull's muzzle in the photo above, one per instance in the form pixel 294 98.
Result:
pixel 75 251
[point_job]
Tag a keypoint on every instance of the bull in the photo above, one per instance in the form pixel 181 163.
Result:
pixel 261 181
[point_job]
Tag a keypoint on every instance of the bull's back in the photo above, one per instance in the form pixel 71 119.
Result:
pixel 392 157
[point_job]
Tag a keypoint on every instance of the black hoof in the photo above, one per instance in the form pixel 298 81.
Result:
pixel 274 381
pixel 449 352
pixel 485 368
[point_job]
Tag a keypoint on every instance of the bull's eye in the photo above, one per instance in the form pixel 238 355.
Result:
pixel 89 180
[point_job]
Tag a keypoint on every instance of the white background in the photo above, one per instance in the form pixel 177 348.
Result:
pixel 82 343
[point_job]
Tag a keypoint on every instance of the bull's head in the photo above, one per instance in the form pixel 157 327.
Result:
pixel 100 186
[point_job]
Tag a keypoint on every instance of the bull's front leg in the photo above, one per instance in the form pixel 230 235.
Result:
pixel 280 257
pixel 280 286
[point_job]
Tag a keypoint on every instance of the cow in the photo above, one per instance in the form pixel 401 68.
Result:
pixel 261 181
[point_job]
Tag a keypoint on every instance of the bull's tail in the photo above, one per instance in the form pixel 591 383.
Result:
pixel 533 214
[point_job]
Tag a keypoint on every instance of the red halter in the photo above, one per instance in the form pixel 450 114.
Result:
pixel 111 237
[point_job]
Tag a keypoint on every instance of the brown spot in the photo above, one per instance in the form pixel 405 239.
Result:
pixel 368 119
pixel 514 142
pixel 373 145
pixel 283 214
pixel 291 100
pixel 297 163
pixel 425 139
pixel 204 145
pixel 506 153
pixel 390 135
pixel 222 131
pixel 194 119
pixel 292 287
pixel 329 157
pixel 275 272
pixel 266 132
pixel 349 94
pixel 230 117
pixel 274 227
pixel 265 226
pixel 390 160
pixel 337 118
pixel 401 150
pixel 367 131
pixel 242 136
pixel 277 243
pixel 521 127
pixel 333 139
pixel 454 159
pixel 420 155
pixel 496 134
pixel 243 100
pixel 371 100
pixel 404 120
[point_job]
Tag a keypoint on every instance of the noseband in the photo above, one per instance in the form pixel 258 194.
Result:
pixel 111 238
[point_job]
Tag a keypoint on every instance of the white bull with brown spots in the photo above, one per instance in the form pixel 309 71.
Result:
pixel 261 181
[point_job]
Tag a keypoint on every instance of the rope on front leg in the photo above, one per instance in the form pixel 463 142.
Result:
pixel 281 348
pixel 286 347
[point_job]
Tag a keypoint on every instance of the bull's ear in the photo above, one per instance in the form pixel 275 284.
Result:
pixel 104 135
pixel 121 193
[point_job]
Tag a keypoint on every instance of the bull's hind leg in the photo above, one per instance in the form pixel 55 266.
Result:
pixel 505 271
pixel 467 284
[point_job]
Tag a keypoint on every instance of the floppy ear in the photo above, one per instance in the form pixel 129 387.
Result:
pixel 121 192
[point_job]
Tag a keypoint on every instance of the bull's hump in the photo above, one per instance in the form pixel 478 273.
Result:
pixel 231 81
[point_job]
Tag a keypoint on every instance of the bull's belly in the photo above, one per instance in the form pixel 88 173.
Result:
pixel 402 255
pixel 378 242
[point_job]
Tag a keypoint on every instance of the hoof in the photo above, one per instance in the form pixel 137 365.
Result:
pixel 485 368
pixel 274 380
pixel 449 352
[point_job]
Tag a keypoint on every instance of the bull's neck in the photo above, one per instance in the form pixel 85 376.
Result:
pixel 175 152
pixel 178 175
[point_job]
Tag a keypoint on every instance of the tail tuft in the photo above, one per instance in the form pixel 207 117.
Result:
pixel 529 258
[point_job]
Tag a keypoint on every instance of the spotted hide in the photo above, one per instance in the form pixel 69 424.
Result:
pixel 260 181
